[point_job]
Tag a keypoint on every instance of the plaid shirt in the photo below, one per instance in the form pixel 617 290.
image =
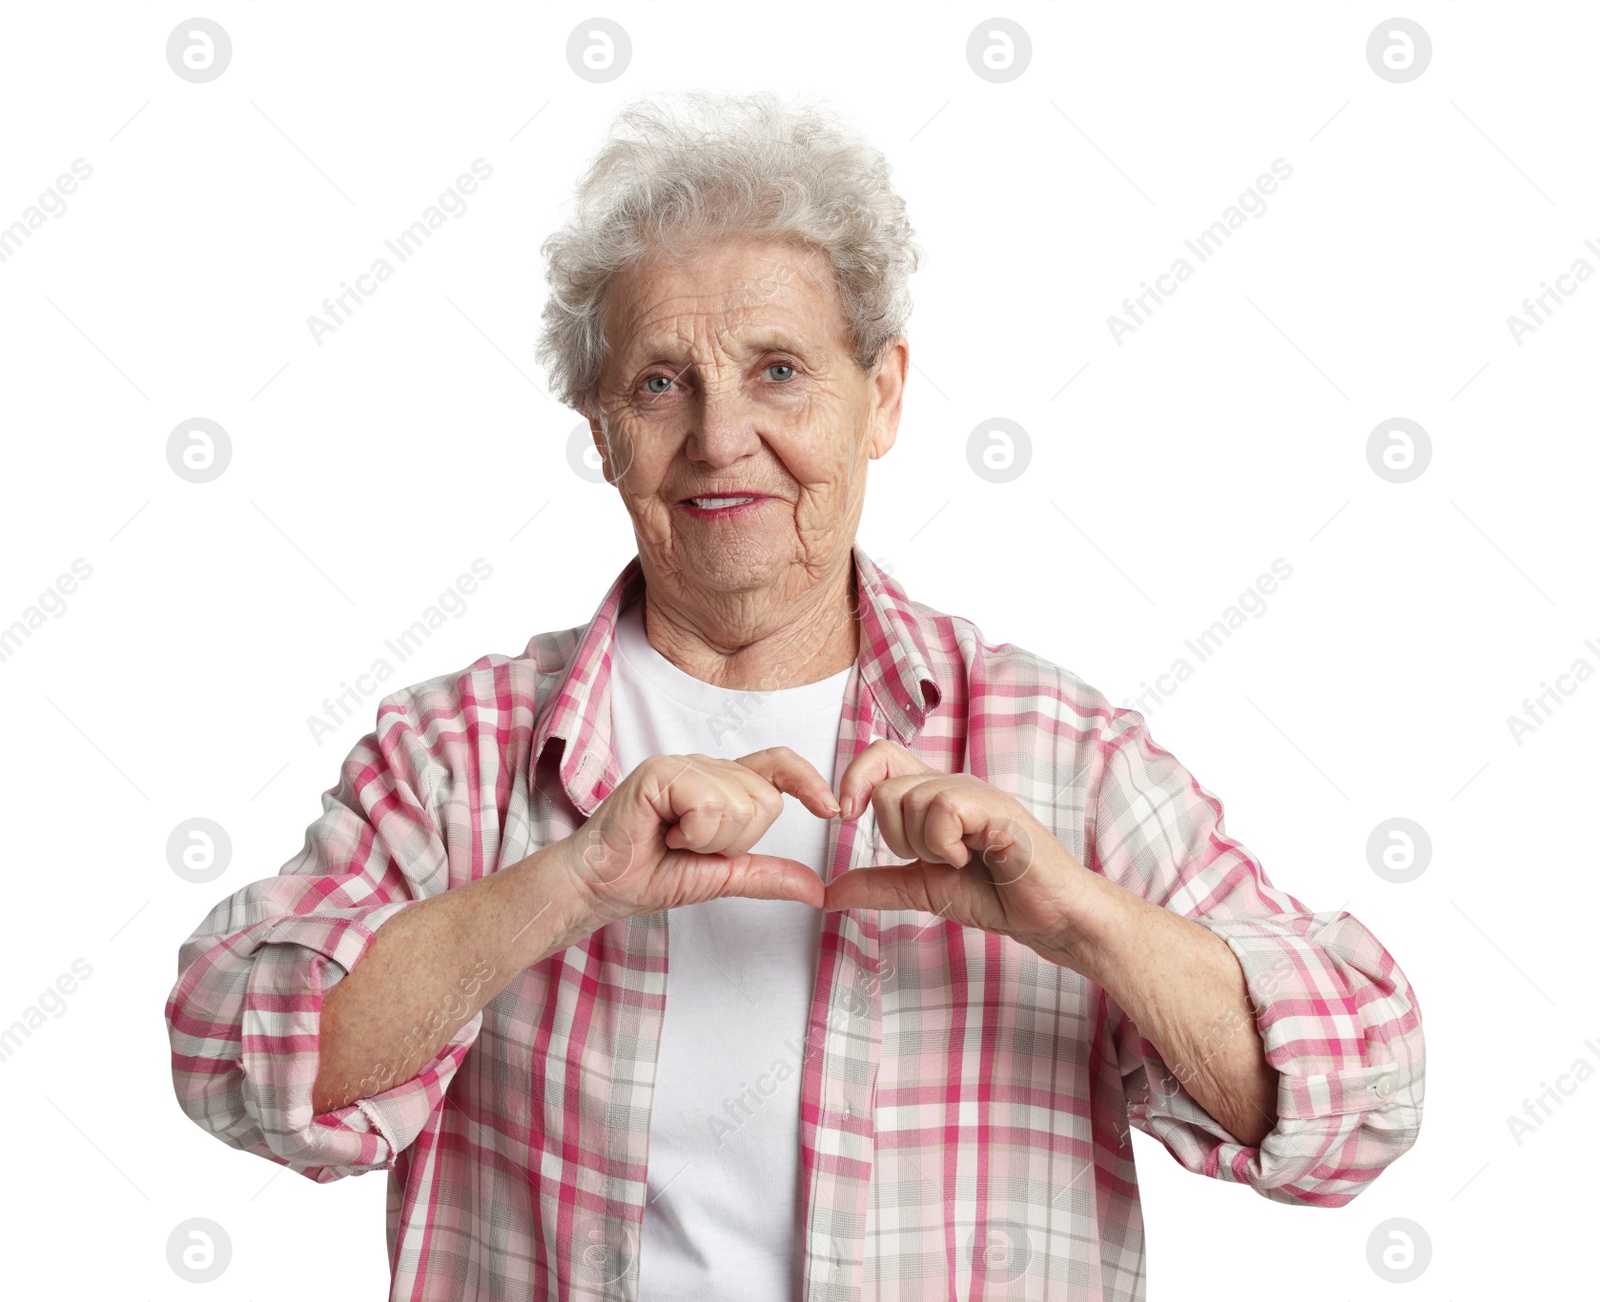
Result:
pixel 965 1102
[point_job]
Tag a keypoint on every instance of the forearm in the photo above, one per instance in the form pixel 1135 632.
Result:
pixel 1183 988
pixel 432 967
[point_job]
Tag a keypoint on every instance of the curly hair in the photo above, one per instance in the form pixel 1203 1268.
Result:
pixel 679 172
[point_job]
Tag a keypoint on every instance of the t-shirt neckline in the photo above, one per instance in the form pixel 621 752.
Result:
pixel 659 674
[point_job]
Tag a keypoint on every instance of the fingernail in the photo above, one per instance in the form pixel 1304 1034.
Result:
pixel 845 806
pixel 832 805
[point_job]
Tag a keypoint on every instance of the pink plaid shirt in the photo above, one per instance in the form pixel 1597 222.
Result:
pixel 965 1102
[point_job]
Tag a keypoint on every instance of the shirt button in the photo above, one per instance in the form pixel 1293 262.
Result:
pixel 1384 1085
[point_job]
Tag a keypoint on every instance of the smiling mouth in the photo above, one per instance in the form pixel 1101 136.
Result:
pixel 723 506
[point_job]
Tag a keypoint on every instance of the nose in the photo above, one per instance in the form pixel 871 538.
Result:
pixel 725 429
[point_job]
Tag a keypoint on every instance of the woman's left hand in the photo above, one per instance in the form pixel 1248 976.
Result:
pixel 981 859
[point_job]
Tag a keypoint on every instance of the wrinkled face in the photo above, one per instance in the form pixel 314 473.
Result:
pixel 730 377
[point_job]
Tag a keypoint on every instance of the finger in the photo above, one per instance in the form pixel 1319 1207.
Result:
pixel 765 804
pixel 880 761
pixel 889 800
pixel 787 770
pixel 688 796
pixel 723 812
pixel 937 826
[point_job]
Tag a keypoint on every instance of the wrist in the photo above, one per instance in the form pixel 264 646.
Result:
pixel 1089 937
pixel 553 909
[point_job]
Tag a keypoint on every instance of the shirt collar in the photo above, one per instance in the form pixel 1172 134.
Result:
pixel 892 662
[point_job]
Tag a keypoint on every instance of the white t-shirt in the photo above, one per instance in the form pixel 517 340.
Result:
pixel 721 1216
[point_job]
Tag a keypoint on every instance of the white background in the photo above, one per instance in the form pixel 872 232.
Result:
pixel 1230 430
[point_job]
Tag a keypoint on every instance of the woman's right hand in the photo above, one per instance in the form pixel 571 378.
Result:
pixel 678 830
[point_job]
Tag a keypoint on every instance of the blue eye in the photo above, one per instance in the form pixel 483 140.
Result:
pixel 782 366
pixel 665 379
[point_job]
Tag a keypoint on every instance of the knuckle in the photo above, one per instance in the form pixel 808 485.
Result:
pixel 662 765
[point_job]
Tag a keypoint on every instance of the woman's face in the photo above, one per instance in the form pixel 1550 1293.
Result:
pixel 730 376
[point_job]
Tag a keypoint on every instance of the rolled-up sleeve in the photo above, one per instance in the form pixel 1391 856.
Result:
pixel 244 1018
pixel 1336 1015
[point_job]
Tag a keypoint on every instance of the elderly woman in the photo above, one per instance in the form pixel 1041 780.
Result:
pixel 620 1020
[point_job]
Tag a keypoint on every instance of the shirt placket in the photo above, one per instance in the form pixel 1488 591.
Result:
pixel 604 1261
pixel 843 1048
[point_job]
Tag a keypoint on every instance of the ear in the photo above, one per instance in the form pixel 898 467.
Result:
pixel 888 389
pixel 598 435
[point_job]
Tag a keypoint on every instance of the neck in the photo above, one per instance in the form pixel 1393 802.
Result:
pixel 744 642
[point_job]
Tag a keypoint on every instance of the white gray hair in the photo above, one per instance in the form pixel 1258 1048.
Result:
pixel 678 172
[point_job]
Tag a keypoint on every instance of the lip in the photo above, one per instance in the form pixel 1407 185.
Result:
pixel 723 512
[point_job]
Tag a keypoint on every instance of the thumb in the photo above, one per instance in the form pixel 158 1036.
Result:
pixel 920 885
pixel 772 877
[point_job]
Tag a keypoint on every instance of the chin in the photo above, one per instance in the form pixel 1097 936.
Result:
pixel 737 564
